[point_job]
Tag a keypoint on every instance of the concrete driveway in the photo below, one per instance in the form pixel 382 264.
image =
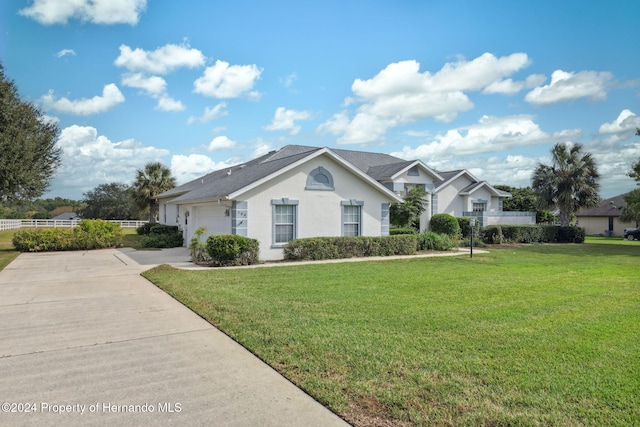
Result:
pixel 85 340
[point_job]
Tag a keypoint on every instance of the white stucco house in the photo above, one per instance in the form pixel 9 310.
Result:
pixel 300 191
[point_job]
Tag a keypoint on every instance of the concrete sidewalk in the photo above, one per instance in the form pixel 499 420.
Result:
pixel 85 340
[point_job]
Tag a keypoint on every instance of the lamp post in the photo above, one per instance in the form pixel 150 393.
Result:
pixel 472 224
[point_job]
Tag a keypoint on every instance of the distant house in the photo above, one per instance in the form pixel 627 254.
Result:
pixel 301 191
pixel 604 219
pixel 67 216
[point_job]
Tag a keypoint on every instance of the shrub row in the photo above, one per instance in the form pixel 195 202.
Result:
pixel 88 234
pixel 430 241
pixel 317 248
pixel 498 234
pixel 231 249
pixel 160 236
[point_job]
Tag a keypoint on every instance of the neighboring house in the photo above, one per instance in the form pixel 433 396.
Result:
pixel 604 219
pixel 300 191
pixel 67 216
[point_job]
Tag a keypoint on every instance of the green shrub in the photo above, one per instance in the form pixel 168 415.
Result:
pixel 571 234
pixel 431 241
pixel 231 249
pixel 498 234
pixel 89 234
pixel 317 248
pixel 161 236
pixel 197 247
pixel 144 229
pixel 402 230
pixel 445 224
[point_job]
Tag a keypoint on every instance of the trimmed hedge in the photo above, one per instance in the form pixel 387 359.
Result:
pixel 160 236
pixel 231 249
pixel 430 241
pixel 444 224
pixel 88 234
pixel 498 234
pixel 402 230
pixel 317 248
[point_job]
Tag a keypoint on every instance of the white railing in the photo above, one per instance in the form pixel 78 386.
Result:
pixel 11 224
pixel 502 217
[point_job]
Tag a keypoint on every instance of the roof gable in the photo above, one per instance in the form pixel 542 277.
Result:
pixel 607 207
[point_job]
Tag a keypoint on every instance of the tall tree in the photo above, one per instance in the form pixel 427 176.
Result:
pixel 28 152
pixel 524 200
pixel 110 201
pixel 570 183
pixel 154 179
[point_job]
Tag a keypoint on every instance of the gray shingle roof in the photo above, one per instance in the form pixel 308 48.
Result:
pixel 607 207
pixel 221 183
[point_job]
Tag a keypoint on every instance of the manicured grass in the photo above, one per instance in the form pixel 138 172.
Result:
pixel 7 251
pixel 534 335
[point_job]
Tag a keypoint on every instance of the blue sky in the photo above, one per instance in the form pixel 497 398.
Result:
pixel 200 85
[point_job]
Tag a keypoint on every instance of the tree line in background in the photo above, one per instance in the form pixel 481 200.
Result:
pixel 29 158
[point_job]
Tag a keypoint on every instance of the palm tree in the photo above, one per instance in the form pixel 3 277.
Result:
pixel 153 180
pixel 569 184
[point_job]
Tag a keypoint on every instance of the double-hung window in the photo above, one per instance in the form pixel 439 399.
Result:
pixel 352 218
pixel 284 220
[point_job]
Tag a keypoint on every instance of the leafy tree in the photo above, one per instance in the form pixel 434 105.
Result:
pixel 28 152
pixel 569 184
pixel 631 212
pixel 153 180
pixel 407 213
pixel 524 200
pixel 110 201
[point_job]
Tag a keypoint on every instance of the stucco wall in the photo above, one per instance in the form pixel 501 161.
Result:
pixel 319 212
pixel 599 225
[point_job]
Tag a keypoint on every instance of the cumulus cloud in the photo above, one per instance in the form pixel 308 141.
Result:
pixel 401 94
pixel 228 81
pixel 569 86
pixel 221 143
pixel 626 123
pixel 49 12
pixel 187 168
pixel 166 103
pixel 511 87
pixel 210 113
pixel 90 159
pixel 111 96
pixel 154 86
pixel 490 134
pixel 163 60
pixel 286 120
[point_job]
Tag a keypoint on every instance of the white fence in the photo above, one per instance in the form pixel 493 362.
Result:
pixel 11 224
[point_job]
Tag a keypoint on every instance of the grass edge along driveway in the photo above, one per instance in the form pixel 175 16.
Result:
pixel 535 335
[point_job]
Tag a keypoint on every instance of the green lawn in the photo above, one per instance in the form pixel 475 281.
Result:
pixel 534 335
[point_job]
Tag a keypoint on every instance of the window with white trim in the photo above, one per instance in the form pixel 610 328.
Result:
pixel 285 213
pixel 352 218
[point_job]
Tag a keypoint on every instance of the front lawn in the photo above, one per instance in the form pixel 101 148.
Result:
pixel 534 335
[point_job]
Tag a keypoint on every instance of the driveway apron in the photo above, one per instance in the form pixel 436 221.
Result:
pixel 85 340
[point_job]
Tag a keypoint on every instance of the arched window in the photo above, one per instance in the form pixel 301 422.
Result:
pixel 319 179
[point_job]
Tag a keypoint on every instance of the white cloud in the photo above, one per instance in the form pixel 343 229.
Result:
pixel 90 159
pixel 511 87
pixel 569 86
pixel 401 94
pixel 166 103
pixel 228 81
pixel 153 85
pixel 220 143
pixel 491 134
pixel 111 96
pixel 626 123
pixel 49 12
pixel 210 113
pixel 65 52
pixel 187 168
pixel 286 120
pixel 163 60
